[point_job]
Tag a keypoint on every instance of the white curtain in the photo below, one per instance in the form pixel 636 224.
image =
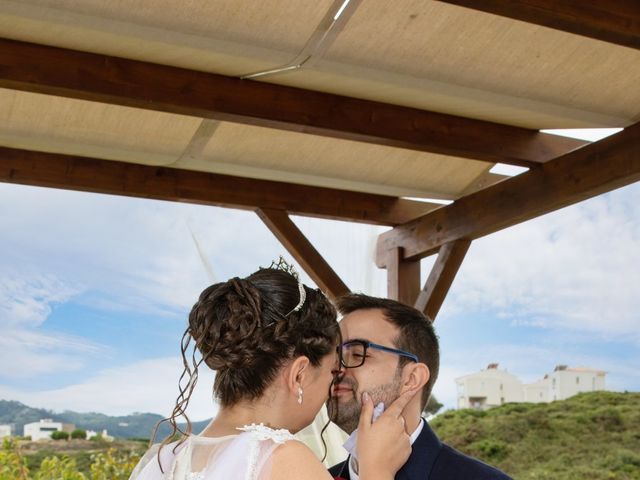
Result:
pixel 333 437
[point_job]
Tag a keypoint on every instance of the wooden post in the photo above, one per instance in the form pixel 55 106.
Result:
pixel 403 277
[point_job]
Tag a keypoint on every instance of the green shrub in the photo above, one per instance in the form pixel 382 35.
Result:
pixel 59 436
pixel 79 434
pixel 13 465
pixel 59 468
pixel 491 450
pixel 113 465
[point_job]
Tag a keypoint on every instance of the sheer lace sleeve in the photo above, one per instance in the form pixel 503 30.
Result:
pixel 148 467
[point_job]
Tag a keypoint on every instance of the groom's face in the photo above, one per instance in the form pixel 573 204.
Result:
pixel 379 375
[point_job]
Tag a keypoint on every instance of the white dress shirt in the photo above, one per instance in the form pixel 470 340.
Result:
pixel 350 447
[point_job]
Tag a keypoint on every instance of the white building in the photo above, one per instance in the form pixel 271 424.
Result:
pixel 43 429
pixel 5 431
pixel 566 382
pixel 104 435
pixel 492 387
pixel 488 388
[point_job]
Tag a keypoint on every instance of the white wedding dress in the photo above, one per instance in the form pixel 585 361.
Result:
pixel 244 456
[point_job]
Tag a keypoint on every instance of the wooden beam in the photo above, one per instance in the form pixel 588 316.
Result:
pixel 403 277
pixel 615 21
pixel 598 168
pixel 303 251
pixel 113 80
pixel 162 183
pixel 443 272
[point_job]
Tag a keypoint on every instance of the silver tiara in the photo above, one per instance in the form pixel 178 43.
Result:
pixel 282 264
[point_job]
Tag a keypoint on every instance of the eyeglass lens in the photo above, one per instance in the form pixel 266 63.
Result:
pixel 353 354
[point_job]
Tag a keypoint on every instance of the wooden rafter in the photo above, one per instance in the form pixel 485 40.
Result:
pixel 615 21
pixel 297 244
pixel 113 80
pixel 443 272
pixel 597 168
pixel 162 183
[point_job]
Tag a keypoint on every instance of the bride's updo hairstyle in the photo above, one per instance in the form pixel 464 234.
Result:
pixel 246 329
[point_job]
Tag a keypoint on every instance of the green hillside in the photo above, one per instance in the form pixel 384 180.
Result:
pixel 590 436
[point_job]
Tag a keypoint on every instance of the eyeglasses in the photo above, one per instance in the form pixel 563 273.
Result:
pixel 354 352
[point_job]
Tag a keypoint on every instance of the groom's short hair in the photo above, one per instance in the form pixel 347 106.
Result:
pixel 416 334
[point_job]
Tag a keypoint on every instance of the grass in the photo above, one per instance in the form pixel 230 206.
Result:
pixel 592 435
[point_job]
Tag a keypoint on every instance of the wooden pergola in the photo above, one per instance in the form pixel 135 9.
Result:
pixel 353 110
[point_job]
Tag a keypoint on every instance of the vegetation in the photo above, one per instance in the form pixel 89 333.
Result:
pixel 79 434
pixel 76 462
pixel 592 435
pixel 432 406
pixel 59 436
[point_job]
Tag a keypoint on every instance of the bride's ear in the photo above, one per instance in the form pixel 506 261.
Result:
pixel 296 372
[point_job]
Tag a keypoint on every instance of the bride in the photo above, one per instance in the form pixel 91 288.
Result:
pixel 272 342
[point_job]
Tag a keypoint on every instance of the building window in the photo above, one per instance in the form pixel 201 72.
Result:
pixel 501 387
pixel 553 384
pixel 577 380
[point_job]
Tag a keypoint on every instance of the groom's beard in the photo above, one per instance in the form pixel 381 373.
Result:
pixel 346 413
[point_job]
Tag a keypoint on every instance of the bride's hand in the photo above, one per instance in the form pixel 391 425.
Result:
pixel 383 447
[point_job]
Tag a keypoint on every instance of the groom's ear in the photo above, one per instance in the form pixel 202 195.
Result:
pixel 296 372
pixel 415 376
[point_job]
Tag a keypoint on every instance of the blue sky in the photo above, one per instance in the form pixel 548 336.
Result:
pixel 95 289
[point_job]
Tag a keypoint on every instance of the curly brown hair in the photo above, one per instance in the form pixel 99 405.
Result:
pixel 245 330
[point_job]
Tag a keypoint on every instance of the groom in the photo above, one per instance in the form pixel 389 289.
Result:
pixel 389 347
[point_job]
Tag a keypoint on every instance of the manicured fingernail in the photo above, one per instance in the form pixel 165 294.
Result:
pixel 365 397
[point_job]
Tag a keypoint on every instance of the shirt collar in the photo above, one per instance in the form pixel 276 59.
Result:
pixel 350 446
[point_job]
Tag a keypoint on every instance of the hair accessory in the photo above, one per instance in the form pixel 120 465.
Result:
pixel 283 265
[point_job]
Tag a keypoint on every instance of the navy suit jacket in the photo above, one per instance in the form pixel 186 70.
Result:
pixel 433 460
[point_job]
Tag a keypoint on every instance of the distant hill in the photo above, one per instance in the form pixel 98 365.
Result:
pixel 592 435
pixel 136 425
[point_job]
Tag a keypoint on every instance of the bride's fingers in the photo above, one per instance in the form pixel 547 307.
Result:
pixel 397 407
pixel 366 414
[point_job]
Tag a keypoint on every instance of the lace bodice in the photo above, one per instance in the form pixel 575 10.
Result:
pixel 242 456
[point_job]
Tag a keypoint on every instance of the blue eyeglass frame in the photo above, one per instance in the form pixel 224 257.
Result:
pixel 367 344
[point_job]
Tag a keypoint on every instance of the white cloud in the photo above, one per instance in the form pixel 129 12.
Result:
pixel 146 386
pixel 28 352
pixel 576 269
pixel 26 298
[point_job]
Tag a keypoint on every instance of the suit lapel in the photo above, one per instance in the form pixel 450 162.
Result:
pixel 424 452
pixel 344 470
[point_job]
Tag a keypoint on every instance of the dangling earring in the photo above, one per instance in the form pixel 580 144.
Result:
pixel 300 395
